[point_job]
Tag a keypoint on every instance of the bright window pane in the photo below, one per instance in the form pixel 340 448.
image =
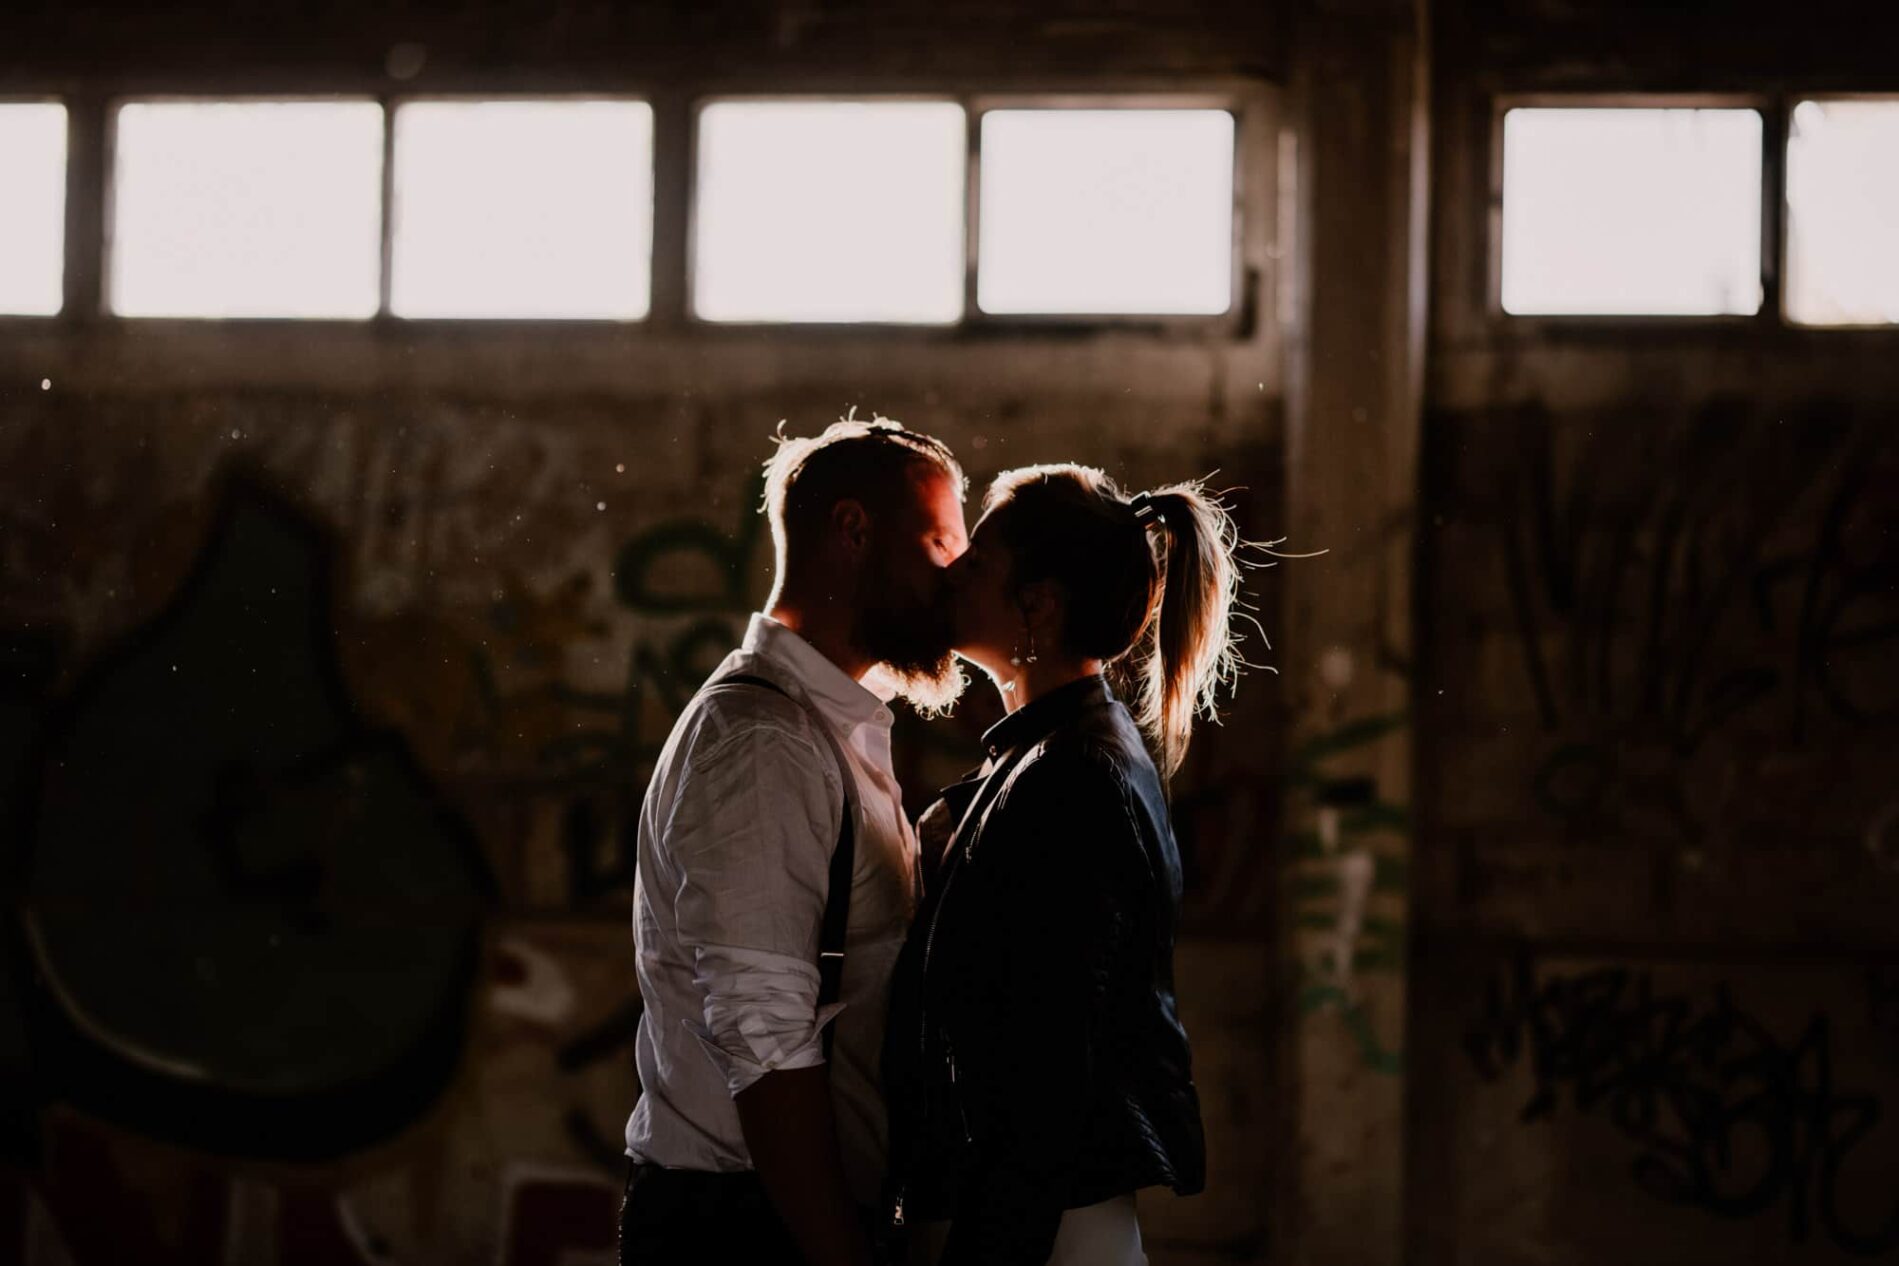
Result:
pixel 32 208
pixel 523 209
pixel 829 211
pixel 1631 211
pixel 1106 211
pixel 247 209
pixel 1843 213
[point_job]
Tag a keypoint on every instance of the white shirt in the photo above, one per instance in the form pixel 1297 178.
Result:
pixel 735 842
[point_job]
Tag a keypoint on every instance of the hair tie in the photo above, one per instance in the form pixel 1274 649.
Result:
pixel 1144 509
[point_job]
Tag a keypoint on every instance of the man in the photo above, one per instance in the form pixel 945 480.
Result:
pixel 747 1144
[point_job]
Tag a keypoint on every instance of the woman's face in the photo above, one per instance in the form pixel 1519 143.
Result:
pixel 985 619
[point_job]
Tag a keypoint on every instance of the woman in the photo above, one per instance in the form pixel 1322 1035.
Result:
pixel 1037 1072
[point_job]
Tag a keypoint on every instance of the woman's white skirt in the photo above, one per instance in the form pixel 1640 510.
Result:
pixel 1105 1234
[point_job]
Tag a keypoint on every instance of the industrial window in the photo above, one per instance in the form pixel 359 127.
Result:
pixel 830 212
pixel 1843 213
pixel 247 209
pixel 32 207
pixel 522 209
pixel 1631 211
pixel 1106 211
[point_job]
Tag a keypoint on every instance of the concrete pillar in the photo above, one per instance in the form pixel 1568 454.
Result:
pixel 1356 317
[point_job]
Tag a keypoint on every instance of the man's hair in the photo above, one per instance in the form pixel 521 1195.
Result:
pixel 869 462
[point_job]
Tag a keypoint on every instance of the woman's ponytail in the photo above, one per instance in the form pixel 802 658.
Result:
pixel 1189 653
pixel 1151 584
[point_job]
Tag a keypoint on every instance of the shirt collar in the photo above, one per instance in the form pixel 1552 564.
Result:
pixel 830 687
pixel 1040 716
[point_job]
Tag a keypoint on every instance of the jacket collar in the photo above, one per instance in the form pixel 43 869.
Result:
pixel 1040 717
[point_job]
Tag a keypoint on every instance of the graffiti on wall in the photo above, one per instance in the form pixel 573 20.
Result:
pixel 220 855
pixel 427 502
pixel 687 585
pixel 1725 1116
pixel 1689 595
pixel 1349 883
pixel 253 925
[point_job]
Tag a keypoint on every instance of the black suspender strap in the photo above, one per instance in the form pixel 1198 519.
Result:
pixel 837 900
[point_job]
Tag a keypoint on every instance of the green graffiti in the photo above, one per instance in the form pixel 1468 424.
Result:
pixel 1319 891
pixel 1316 998
pixel 1354 734
pixel 667 673
pixel 724 559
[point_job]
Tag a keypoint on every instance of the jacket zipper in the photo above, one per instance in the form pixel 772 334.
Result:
pixel 923 1022
pixel 956 1093
pixel 929 943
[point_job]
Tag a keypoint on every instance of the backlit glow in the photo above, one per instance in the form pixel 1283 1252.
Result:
pixel 32 208
pixel 829 212
pixel 523 209
pixel 247 209
pixel 1631 211
pixel 1106 211
pixel 1843 213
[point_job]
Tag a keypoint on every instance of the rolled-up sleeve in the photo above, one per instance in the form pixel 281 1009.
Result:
pixel 752 831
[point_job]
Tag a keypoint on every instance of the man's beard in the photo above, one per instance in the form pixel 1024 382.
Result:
pixel 933 690
pixel 911 644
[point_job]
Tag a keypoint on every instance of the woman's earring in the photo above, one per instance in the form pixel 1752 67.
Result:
pixel 1031 658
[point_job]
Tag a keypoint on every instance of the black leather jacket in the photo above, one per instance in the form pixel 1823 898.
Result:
pixel 1034 1061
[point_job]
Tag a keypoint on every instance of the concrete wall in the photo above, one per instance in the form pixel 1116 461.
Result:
pixel 334 657
pixel 1539 912
pixel 1652 989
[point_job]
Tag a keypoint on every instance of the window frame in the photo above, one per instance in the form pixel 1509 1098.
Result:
pixel 1245 102
pixel 394 101
pixel 1783 236
pixel 1256 105
pixel 42 319
pixel 1773 117
pixel 1234 322
pixel 101 303
pixel 687 263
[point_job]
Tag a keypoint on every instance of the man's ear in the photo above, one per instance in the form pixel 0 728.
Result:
pixel 850 523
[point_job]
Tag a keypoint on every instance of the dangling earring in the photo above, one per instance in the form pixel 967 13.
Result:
pixel 1016 658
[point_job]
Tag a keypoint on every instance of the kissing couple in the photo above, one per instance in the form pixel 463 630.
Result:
pixel 954 1041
